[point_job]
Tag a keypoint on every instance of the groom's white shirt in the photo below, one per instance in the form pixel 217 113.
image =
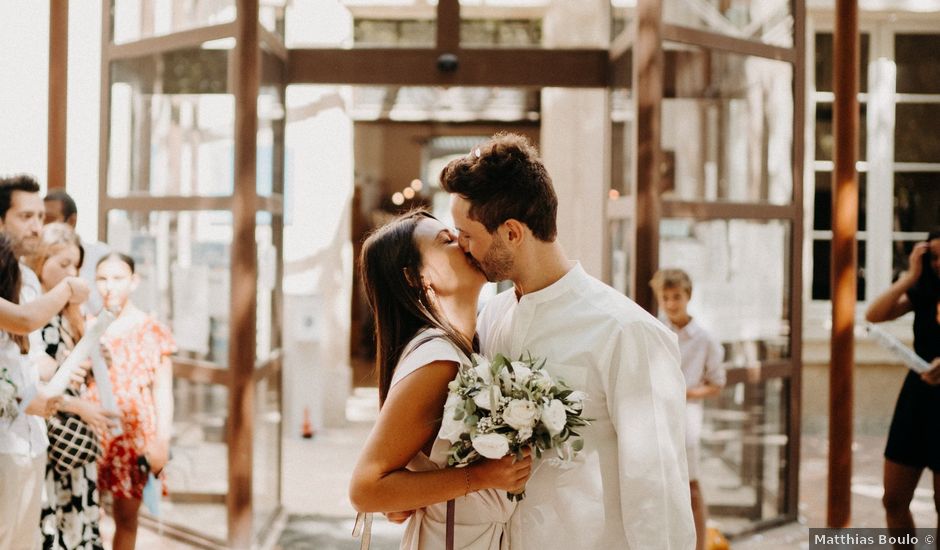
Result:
pixel 629 487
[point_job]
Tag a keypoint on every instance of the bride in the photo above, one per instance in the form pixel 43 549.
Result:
pixel 423 294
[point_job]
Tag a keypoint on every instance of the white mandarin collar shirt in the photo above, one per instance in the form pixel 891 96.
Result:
pixel 629 487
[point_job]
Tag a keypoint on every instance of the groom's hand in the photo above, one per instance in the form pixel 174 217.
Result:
pixel 399 517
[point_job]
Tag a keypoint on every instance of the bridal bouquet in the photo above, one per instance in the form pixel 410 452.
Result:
pixel 499 407
pixel 8 404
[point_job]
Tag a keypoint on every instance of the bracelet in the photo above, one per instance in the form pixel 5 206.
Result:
pixel 467 471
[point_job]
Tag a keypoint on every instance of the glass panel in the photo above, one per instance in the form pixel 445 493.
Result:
pixel 740 276
pixel 915 132
pixel 362 24
pixel 267 284
pixel 768 21
pixel 266 466
pixel 621 237
pixel 822 270
pixel 271 14
pixel 271 120
pixel 916 201
pixel 824 62
pixel 183 261
pixel 744 454
pixel 822 204
pixel 137 19
pixel 172 125
pixel 621 169
pixel 824 140
pixel 918 61
pixel 727 127
pixel 500 33
pixel 458 104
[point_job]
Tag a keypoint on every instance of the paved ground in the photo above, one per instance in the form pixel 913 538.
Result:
pixel 316 474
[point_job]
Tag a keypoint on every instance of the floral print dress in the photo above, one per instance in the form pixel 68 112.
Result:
pixel 70 512
pixel 135 358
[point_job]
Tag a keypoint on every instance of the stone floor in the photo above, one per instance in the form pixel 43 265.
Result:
pixel 316 474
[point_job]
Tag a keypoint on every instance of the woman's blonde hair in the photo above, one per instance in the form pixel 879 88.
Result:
pixel 53 238
pixel 671 278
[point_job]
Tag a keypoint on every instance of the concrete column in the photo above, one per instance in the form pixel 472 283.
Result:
pixel 575 136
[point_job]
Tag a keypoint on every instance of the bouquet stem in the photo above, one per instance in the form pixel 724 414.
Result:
pixel 516 497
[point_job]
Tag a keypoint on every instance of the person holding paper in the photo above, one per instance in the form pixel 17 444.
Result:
pixel 70 510
pixel 137 348
pixel 912 440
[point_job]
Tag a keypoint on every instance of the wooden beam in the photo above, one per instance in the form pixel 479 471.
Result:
pixel 844 225
pixel 729 210
pixel 190 38
pixel 58 93
pixel 448 26
pixel 244 277
pixel 723 42
pixel 648 70
pixel 794 424
pixel 477 67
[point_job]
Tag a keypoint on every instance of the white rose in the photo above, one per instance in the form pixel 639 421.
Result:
pixel 554 417
pixel 543 380
pixel 521 370
pixel 483 368
pixel 451 429
pixel 520 413
pixel 491 445
pixel 488 397
pixel 524 434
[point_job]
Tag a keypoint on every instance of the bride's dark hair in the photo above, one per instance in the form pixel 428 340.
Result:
pixel 390 270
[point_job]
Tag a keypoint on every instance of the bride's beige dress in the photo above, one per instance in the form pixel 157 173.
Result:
pixel 482 517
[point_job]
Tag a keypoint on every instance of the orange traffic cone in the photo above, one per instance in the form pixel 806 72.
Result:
pixel 306 430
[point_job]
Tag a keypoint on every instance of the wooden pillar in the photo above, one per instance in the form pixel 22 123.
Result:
pixel 844 225
pixel 648 90
pixel 244 276
pixel 58 92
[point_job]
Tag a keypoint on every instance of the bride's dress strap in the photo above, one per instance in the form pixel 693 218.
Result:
pixel 363 528
pixel 449 533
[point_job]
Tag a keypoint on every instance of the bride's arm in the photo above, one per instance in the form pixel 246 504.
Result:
pixel 408 419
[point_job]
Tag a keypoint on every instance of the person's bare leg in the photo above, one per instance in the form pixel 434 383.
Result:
pixel 900 482
pixel 125 522
pixel 699 514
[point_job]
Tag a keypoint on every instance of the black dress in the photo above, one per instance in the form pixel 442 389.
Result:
pixel 70 513
pixel 913 439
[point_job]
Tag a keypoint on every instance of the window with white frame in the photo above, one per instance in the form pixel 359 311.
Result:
pixel 899 149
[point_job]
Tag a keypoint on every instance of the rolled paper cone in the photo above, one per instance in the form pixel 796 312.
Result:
pixel 80 352
pixel 910 359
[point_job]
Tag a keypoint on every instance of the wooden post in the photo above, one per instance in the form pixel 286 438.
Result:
pixel 844 225
pixel 648 89
pixel 58 92
pixel 244 276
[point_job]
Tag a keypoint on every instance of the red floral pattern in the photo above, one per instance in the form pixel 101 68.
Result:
pixel 135 359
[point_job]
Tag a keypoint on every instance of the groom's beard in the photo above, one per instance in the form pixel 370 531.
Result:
pixel 497 264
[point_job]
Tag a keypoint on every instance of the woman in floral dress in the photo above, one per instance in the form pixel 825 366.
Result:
pixel 138 350
pixel 70 511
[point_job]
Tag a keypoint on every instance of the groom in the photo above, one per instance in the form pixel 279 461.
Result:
pixel 629 487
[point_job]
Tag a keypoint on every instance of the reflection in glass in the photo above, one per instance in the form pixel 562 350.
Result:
pixel 744 453
pixel 918 61
pixel 621 275
pixel 267 454
pixel 822 270
pixel 916 201
pixel 916 138
pixel 172 125
pixel 457 104
pixel 137 19
pixel 740 277
pixel 824 62
pixel 727 130
pixel 825 142
pixel 768 21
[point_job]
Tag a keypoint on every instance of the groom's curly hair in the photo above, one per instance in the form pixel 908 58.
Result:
pixel 503 178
